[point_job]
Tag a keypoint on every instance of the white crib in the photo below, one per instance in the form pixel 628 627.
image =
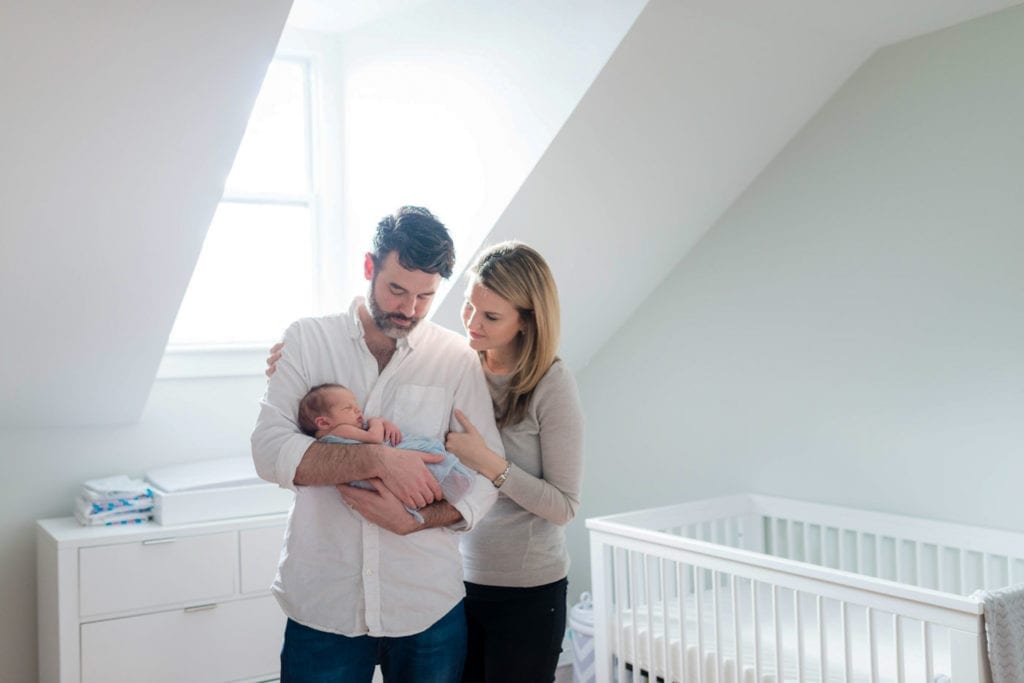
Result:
pixel 755 589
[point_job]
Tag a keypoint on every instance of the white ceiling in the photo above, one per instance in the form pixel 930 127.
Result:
pixel 121 121
pixel 332 16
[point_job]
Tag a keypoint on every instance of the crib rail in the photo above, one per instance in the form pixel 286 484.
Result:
pixel 940 555
pixel 688 594
pixel 943 556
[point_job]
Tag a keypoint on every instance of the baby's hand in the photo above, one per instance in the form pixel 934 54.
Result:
pixel 392 434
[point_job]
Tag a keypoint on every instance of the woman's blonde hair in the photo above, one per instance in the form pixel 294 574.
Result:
pixel 518 274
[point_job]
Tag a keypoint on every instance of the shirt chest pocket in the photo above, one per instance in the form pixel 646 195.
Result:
pixel 421 410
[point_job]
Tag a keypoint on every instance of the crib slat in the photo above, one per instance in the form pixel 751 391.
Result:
pixel 757 629
pixel 963 582
pixel 631 557
pixel 897 545
pixel 649 597
pixel 985 566
pixel 821 545
pixel 872 644
pixel 698 589
pixel 717 622
pixel 620 606
pixel 963 571
pixel 847 644
pixel 774 536
pixel 858 540
pixel 666 642
pixel 822 642
pixel 940 572
pixel 840 549
pixel 919 574
pixel 737 627
pixel 799 638
pixel 684 582
pixel 878 556
pixel 929 653
pixel 777 621
pixel 901 663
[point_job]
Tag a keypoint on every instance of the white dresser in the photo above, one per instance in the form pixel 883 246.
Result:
pixel 159 603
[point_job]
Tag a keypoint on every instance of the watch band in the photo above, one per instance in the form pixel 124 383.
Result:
pixel 500 479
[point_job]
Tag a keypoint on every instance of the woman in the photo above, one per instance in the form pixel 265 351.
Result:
pixel 515 559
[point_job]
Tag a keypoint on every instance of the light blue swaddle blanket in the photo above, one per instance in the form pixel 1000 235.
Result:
pixel 454 477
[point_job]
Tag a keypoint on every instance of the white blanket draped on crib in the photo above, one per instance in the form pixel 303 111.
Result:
pixel 1004 632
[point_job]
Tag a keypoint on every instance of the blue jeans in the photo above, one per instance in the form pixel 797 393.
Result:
pixel 432 656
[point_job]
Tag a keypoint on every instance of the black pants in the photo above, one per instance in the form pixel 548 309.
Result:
pixel 515 634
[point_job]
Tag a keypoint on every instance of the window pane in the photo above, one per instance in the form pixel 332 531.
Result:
pixel 254 276
pixel 273 154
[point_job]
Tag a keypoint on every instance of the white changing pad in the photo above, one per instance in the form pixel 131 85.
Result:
pixel 222 488
pixel 205 474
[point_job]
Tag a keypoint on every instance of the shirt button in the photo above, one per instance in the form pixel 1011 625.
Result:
pixel 368 572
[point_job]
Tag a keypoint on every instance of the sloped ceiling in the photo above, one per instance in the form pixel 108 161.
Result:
pixel 120 123
pixel 121 120
pixel 696 101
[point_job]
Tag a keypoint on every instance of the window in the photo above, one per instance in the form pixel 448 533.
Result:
pixel 258 268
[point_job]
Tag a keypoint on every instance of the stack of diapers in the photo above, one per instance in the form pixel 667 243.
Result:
pixel 114 501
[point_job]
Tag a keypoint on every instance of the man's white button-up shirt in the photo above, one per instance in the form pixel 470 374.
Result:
pixel 338 572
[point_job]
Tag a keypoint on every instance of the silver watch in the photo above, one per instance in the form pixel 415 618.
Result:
pixel 500 479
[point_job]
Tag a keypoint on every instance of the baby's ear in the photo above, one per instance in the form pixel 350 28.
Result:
pixel 321 422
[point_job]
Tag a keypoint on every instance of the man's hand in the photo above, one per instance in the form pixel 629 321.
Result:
pixel 407 477
pixel 380 507
pixel 275 355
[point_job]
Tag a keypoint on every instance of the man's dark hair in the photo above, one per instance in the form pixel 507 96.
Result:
pixel 418 238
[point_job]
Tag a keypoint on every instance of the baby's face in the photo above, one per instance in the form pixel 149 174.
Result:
pixel 343 409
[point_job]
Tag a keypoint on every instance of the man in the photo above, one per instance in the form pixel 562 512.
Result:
pixel 356 594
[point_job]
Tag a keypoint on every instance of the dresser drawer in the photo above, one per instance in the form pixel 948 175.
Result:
pixel 260 550
pixel 163 571
pixel 225 642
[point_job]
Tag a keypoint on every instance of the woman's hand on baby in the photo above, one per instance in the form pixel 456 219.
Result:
pixel 469 446
pixel 275 355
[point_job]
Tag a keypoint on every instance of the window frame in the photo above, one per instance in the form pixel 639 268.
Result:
pixel 184 361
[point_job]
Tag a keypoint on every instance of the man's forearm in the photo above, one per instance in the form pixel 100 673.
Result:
pixel 441 513
pixel 325 464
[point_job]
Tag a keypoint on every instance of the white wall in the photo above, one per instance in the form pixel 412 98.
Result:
pixel 120 121
pixel 850 331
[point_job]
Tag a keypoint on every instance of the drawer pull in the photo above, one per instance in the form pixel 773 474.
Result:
pixel 201 608
pixel 158 541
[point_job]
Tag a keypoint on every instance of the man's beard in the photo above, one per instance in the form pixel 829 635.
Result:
pixel 384 321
